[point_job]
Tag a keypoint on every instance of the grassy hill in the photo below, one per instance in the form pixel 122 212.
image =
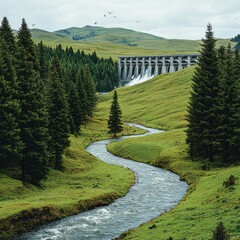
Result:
pixel 161 103
pixel 117 41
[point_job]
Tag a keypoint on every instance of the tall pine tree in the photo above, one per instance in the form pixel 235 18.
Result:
pixel 203 107
pixel 114 121
pixel 82 99
pixel 235 138
pixel 43 66
pixel 227 101
pixel 10 142
pixel 33 119
pixel 6 34
pixel 90 90
pixel 58 114
pixel 74 107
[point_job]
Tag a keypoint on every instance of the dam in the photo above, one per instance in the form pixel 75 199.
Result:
pixel 137 67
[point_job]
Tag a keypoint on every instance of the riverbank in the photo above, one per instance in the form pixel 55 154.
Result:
pixel 207 201
pixel 162 103
pixel 84 184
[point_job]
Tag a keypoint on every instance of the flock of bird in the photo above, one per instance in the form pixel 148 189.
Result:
pixel 95 23
pixel 109 13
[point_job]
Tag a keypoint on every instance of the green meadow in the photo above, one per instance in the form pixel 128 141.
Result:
pixel 161 103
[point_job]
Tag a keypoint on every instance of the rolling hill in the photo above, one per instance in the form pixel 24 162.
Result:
pixel 117 41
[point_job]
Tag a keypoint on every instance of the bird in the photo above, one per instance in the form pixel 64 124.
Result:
pixel 110 12
pixel 95 23
pixel 104 15
pixel 137 21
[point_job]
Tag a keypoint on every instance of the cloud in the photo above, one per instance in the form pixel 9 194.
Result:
pixel 166 18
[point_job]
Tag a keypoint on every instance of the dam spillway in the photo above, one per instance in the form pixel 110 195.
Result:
pixel 137 67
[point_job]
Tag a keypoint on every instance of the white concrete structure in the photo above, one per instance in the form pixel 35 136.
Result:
pixel 130 67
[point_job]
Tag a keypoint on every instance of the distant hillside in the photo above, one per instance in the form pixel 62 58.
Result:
pixel 117 41
pixel 113 35
pixel 45 35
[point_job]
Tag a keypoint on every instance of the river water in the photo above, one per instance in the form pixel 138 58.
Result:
pixel 155 191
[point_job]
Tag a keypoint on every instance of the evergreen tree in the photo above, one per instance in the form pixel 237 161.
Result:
pixel 235 138
pixel 220 232
pixel 6 34
pixel 82 99
pixel 228 97
pixel 43 67
pixel 33 118
pixel 101 70
pixel 114 122
pixel 74 108
pixel 10 142
pixel 90 91
pixel 203 107
pixel 58 114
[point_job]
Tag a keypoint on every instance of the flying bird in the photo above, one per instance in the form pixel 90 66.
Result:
pixel 110 12
pixel 137 21
pixel 104 15
pixel 95 23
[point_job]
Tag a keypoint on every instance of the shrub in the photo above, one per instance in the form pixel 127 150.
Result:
pixel 231 181
pixel 220 233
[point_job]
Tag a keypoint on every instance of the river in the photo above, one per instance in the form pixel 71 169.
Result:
pixel 154 192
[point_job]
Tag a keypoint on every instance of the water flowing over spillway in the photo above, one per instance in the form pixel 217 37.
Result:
pixel 140 79
pixel 155 191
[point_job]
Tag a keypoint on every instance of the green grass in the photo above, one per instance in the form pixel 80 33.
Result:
pixel 85 182
pixel 114 42
pixel 161 103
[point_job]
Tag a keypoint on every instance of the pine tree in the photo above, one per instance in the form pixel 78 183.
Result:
pixel 43 67
pixel 203 107
pixel 6 34
pixel 235 138
pixel 82 99
pixel 227 101
pixel 114 122
pixel 10 142
pixel 220 232
pixel 58 114
pixel 33 119
pixel 74 108
pixel 90 91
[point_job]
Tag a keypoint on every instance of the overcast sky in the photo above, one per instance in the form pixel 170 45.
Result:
pixel 182 19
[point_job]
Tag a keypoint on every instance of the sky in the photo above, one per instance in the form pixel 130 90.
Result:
pixel 174 19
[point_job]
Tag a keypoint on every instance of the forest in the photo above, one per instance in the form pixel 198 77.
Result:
pixel 46 94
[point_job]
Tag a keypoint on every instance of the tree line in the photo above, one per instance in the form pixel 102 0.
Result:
pixel 237 40
pixel 103 70
pixel 213 131
pixel 39 106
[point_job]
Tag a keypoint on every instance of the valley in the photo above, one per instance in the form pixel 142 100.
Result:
pixel 83 182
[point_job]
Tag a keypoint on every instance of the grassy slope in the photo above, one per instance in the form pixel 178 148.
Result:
pixel 161 103
pixel 85 183
pixel 117 41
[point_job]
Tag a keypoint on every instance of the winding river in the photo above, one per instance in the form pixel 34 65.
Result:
pixel 155 191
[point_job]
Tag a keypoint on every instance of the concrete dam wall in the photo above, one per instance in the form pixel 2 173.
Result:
pixel 144 67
